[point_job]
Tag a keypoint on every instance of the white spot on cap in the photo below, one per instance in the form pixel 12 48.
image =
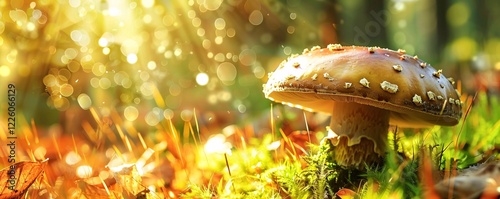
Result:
pixel 437 73
pixel 315 48
pixel 451 100
pixel 431 95
pixel 451 80
pixel 417 100
pixel 397 67
pixel 387 86
pixel 347 85
pixel 364 82
pixel 327 76
pixel 314 77
pixel 333 47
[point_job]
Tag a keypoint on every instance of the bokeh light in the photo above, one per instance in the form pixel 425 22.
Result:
pixel 202 79
pixel 124 74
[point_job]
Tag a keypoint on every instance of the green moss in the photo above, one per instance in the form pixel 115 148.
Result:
pixel 258 173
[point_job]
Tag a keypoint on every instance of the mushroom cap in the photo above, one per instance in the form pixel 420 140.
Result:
pixel 416 94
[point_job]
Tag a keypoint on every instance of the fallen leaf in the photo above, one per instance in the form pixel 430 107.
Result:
pixel 346 193
pixel 97 190
pixel 129 179
pixel 18 177
pixel 480 181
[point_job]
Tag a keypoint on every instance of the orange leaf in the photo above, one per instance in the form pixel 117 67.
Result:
pixel 18 177
pixel 129 179
pixel 346 193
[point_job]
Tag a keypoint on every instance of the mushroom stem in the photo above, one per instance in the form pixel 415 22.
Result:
pixel 359 133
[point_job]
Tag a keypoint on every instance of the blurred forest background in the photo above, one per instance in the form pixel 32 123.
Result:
pixel 140 62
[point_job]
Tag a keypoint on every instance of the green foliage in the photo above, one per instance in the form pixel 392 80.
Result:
pixel 198 191
pixel 474 139
pixel 319 172
pixel 315 175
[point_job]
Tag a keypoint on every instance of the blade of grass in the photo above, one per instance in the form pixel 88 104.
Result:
pixel 307 126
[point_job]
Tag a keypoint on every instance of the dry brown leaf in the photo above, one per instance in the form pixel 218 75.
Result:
pixel 130 180
pixel 97 191
pixel 476 182
pixel 18 177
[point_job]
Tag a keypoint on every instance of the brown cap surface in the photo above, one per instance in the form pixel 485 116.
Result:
pixel 414 92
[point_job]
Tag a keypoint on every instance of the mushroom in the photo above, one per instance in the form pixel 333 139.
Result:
pixel 377 96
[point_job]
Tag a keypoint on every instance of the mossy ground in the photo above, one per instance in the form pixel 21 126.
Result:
pixel 238 164
pixel 315 175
